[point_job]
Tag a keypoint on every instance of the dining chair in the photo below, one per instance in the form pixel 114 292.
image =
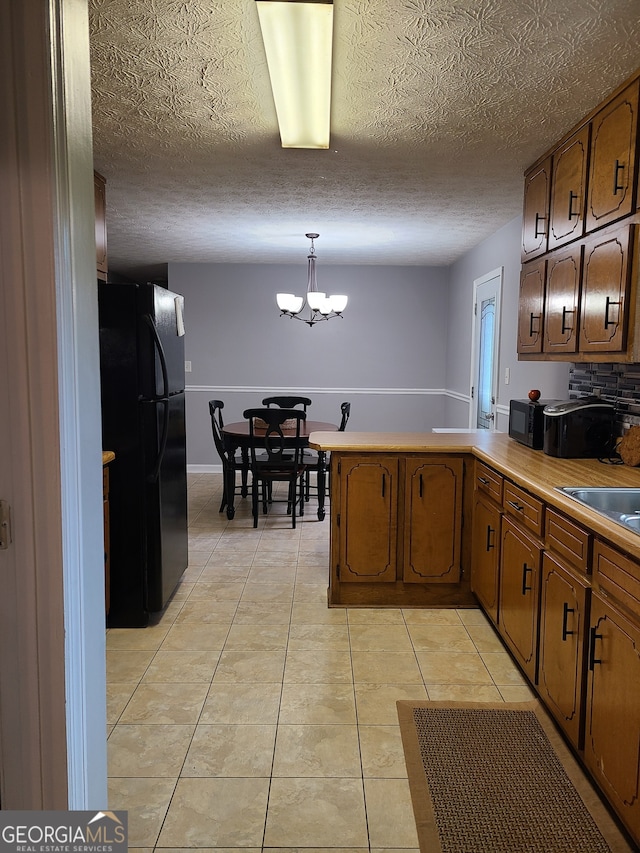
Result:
pixel 312 460
pixel 287 402
pixel 231 463
pixel 282 461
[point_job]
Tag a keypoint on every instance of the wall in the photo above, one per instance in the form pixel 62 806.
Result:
pixel 386 355
pixel 502 249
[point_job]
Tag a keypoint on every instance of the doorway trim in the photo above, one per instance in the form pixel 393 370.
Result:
pixel 497 275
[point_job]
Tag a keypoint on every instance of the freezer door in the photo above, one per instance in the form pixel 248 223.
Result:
pixel 165 499
pixel 167 314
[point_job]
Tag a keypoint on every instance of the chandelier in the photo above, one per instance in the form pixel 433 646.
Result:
pixel 320 306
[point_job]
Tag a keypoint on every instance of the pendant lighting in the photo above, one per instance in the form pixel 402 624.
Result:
pixel 320 306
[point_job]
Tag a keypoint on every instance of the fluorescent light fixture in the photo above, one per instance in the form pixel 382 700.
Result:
pixel 297 40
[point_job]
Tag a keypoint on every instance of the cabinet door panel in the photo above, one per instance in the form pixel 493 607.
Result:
pixel 605 287
pixel 519 592
pixel 531 306
pixel 613 161
pixel 568 185
pixel 561 301
pixel 612 736
pixel 535 219
pixel 369 519
pixel 433 520
pixel 562 629
pixel 485 555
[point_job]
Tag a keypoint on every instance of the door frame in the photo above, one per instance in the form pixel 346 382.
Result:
pixel 52 646
pixel 497 274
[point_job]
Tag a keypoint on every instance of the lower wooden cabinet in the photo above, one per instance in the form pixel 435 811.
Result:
pixel 396 530
pixel 563 607
pixel 485 555
pixel 612 729
pixel 520 559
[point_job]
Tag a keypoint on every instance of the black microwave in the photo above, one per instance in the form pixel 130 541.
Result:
pixel 526 422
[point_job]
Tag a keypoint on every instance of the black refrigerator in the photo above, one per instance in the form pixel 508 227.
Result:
pixel 143 422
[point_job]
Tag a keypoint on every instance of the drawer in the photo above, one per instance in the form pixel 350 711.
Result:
pixel 568 540
pixel 617 576
pixel 521 505
pixel 489 482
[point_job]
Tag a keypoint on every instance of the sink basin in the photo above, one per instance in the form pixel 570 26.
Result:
pixel 619 504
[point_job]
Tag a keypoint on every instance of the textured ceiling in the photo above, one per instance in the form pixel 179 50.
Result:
pixel 438 106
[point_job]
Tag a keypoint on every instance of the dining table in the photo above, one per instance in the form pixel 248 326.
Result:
pixel 236 436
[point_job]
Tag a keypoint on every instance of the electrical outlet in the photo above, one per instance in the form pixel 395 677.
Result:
pixel 187 367
pixel 507 375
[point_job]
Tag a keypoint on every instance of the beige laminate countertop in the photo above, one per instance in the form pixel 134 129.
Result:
pixel 531 469
pixel 108 456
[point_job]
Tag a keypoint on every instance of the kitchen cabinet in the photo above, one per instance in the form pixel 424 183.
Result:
pixel 612 171
pixel 563 610
pixel 433 519
pixel 520 559
pixel 568 189
pixel 485 547
pixel 562 296
pixel 397 530
pixel 535 216
pixel 612 730
pixel 100 198
pixel 531 307
pixel 605 291
pixel 368 524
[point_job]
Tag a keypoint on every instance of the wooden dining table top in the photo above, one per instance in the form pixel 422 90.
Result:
pixel 240 429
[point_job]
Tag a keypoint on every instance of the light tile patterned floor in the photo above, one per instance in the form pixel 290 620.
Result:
pixel 253 717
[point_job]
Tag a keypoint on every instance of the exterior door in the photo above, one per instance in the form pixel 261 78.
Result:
pixel 486 339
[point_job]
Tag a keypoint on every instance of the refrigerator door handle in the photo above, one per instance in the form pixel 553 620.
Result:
pixel 148 319
pixel 163 400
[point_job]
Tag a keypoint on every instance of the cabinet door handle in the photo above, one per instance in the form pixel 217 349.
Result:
pixel 607 321
pixel 572 212
pixel 384 478
pixel 516 506
pixel 566 311
pixel 490 532
pixel 525 571
pixel 618 167
pixel 566 610
pixel 420 489
pixel 593 660
pixel 538 233
pixel 533 331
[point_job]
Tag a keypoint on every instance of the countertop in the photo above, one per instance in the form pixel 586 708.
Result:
pixel 108 456
pixel 531 469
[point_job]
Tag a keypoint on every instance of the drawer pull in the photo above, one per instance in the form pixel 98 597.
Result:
pixel 516 506
pixel 525 571
pixel 566 610
pixel 593 660
pixel 484 481
pixel 490 532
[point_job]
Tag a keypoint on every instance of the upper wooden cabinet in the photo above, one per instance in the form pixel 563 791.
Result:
pixel 531 307
pixel 579 286
pixel 605 291
pixel 100 194
pixel 535 216
pixel 568 190
pixel 612 171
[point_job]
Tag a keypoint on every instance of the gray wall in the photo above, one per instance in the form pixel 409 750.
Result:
pixel 502 249
pixel 387 354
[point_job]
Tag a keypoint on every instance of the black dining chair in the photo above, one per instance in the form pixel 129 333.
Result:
pixel 282 461
pixel 287 402
pixel 231 463
pixel 312 460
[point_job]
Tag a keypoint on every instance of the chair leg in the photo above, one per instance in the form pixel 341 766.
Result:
pixel 254 501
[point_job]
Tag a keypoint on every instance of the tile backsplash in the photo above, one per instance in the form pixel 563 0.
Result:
pixel 617 383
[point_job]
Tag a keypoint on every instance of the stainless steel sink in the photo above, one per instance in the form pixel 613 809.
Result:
pixel 619 504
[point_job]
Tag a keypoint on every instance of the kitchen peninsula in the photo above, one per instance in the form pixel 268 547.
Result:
pixel 459 519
